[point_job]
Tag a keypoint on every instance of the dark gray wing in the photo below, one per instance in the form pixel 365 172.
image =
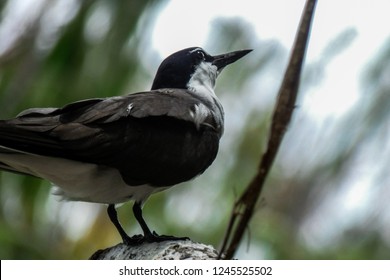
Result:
pixel 174 103
pixel 139 134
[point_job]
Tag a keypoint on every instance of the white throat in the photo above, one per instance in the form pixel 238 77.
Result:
pixel 202 82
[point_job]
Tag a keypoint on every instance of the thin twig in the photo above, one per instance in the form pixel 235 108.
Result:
pixel 244 207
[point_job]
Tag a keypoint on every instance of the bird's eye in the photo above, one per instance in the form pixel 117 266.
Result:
pixel 201 55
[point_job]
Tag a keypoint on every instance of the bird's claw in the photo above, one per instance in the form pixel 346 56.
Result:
pixel 150 238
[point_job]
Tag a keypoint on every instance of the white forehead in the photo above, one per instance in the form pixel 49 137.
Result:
pixel 196 49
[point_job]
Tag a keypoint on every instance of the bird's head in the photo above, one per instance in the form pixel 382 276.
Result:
pixel 193 69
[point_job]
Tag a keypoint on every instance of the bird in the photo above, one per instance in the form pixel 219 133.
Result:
pixel 125 148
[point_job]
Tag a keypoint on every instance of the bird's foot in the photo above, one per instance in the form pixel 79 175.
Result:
pixel 154 237
pixel 133 240
pixel 150 238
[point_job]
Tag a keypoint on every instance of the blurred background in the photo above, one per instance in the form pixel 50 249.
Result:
pixel 328 194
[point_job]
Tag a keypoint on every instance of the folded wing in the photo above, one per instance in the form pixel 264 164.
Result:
pixel 150 137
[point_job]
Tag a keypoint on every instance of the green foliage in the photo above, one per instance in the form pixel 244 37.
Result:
pixel 43 69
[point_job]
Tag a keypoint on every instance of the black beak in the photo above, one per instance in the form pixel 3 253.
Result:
pixel 223 60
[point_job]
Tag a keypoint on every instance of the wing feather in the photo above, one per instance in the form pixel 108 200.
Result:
pixel 119 132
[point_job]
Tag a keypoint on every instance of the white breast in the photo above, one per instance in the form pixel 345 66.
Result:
pixel 79 181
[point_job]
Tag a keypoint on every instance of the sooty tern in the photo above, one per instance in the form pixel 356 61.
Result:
pixel 111 150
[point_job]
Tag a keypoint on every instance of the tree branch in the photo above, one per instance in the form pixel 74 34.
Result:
pixel 167 250
pixel 244 207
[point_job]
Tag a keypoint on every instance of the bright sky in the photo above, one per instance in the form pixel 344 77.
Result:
pixel 186 23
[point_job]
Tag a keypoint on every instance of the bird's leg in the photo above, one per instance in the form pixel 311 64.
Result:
pixel 137 210
pixel 114 219
pixel 148 235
